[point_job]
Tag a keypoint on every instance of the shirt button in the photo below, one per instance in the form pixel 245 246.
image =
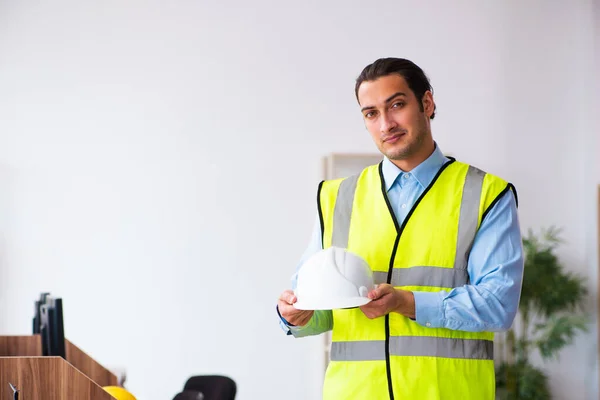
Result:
pixel 403 205
pixel 428 324
pixel 404 176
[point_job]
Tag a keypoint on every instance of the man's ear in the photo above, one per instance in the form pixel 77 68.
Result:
pixel 428 104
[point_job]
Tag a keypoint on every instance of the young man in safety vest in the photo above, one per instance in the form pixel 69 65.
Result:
pixel 444 242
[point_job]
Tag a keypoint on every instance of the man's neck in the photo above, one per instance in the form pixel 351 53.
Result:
pixel 412 162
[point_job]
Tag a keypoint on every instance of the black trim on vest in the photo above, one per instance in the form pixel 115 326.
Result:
pixel 319 208
pixel 388 368
pixel 399 230
pixel 514 190
pixel 389 206
pixel 508 187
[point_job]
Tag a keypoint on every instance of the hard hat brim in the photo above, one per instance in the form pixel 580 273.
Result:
pixel 333 304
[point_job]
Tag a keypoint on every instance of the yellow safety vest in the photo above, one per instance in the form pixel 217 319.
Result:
pixel 394 357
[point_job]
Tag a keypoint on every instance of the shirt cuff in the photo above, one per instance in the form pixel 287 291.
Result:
pixel 429 310
pixel 295 329
pixel 285 326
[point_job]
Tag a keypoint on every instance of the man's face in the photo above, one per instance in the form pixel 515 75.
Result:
pixel 393 116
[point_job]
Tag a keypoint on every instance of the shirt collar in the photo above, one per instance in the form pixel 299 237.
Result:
pixel 423 173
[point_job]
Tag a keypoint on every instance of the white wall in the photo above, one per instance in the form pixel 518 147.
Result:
pixel 593 248
pixel 163 158
pixel 553 158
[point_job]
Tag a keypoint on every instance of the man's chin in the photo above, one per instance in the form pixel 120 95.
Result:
pixel 398 154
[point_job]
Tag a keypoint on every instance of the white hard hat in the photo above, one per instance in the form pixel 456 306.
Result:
pixel 331 279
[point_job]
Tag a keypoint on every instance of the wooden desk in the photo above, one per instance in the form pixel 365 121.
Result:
pixel 50 378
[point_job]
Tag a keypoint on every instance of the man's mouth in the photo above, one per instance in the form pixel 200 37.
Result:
pixel 393 138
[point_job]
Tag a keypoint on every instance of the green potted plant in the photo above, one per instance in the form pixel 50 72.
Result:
pixel 550 315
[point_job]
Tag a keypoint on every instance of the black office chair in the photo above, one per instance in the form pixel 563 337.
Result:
pixel 208 387
pixel 189 395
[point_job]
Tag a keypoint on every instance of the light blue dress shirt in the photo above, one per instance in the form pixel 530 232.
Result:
pixel 495 265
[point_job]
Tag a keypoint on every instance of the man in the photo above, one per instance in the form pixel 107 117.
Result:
pixel 444 242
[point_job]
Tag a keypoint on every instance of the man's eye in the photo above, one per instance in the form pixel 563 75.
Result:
pixel 370 114
pixel 397 105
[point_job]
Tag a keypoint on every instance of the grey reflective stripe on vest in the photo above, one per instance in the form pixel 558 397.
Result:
pixel 422 346
pixel 343 211
pixel 469 216
pixel 425 276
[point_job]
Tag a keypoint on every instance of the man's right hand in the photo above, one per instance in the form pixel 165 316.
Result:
pixel 289 312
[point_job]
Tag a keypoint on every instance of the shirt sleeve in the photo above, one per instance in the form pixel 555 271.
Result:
pixel 322 320
pixel 495 266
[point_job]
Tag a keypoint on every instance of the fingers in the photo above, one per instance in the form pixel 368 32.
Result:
pixel 286 303
pixel 379 291
pixel 373 309
pixel 289 312
pixel 380 303
pixel 288 297
pixel 371 312
pixel 294 316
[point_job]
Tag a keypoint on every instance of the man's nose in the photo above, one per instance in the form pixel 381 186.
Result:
pixel 387 123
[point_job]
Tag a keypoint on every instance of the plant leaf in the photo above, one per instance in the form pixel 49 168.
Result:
pixel 521 381
pixel 558 332
pixel 547 288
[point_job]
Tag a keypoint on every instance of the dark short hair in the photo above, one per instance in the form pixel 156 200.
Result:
pixel 411 72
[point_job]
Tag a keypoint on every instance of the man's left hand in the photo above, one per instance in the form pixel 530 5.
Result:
pixel 385 299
